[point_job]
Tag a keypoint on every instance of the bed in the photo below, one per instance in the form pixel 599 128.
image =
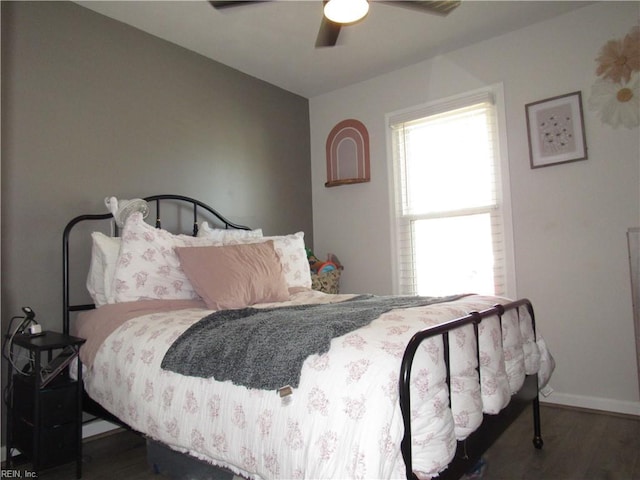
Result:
pixel 254 373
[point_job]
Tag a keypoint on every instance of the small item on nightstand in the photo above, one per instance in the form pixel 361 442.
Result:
pixel 35 330
pixel 26 326
pixel 55 366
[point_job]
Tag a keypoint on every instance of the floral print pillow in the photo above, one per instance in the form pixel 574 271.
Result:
pixel 293 258
pixel 148 267
pixel 227 235
pixel 290 249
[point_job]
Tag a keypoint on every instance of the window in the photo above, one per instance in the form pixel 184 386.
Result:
pixel 451 230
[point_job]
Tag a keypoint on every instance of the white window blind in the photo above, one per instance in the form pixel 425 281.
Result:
pixel 449 220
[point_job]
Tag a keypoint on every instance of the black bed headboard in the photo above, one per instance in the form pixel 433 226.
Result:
pixel 192 203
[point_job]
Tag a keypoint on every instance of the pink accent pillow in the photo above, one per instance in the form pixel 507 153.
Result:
pixel 235 276
pixel 292 254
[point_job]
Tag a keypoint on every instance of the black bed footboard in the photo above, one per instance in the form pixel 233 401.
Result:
pixel 471 449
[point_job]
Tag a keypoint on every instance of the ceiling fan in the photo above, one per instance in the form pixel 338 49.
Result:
pixel 332 23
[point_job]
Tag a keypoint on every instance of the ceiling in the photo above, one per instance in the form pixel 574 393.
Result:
pixel 275 41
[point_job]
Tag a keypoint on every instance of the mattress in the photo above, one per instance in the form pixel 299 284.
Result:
pixel 343 420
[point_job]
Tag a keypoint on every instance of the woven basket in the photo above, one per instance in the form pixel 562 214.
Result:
pixel 327 282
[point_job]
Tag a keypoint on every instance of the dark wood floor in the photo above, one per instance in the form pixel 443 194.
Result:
pixel 577 445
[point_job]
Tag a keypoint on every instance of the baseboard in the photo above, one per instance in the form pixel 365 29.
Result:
pixel 592 403
pixel 90 429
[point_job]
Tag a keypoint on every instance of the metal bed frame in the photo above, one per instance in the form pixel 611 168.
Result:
pixel 469 451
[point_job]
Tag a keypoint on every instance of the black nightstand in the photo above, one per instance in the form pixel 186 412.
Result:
pixel 44 412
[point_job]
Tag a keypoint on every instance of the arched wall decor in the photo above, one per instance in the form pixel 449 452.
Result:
pixel 348 154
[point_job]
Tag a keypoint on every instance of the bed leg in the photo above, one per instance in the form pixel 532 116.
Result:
pixel 537 437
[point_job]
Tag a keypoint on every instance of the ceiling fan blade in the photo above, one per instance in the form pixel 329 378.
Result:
pixel 442 8
pixel 221 4
pixel 328 33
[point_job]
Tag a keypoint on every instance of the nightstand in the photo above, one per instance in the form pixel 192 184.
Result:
pixel 44 412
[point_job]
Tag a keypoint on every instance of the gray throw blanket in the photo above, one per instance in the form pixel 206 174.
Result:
pixel 265 348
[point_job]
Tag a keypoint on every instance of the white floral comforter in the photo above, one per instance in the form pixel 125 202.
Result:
pixel 344 420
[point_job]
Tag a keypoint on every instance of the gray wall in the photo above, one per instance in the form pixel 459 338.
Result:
pixel 93 107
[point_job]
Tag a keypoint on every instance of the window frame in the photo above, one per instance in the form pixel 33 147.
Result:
pixel 503 181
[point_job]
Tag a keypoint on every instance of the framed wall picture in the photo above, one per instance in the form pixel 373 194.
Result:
pixel 556 130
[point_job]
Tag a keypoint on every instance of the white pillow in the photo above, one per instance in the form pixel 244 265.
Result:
pixel 148 267
pixel 104 256
pixel 226 235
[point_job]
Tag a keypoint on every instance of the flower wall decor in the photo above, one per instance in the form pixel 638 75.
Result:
pixel 616 94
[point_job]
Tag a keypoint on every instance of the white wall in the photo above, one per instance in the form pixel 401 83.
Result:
pixel 569 220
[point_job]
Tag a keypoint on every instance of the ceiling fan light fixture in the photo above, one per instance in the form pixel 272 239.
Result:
pixel 346 11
